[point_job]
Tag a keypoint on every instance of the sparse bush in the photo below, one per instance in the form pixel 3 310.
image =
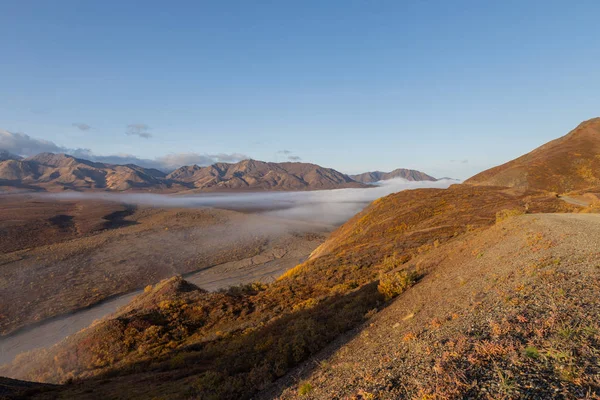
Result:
pixel 395 283
pixel 508 213
pixel 532 352
pixel 304 389
pixel 251 288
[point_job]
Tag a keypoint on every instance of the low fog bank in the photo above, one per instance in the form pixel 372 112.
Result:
pixel 323 206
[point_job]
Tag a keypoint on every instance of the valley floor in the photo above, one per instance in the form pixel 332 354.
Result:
pixel 65 264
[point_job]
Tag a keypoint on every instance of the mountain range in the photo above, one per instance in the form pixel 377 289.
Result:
pixel 52 172
pixel 408 174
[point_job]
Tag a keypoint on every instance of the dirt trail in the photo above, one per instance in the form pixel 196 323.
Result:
pixel 576 202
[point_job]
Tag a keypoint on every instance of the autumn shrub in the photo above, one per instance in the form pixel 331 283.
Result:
pixel 508 213
pixel 304 389
pixel 394 283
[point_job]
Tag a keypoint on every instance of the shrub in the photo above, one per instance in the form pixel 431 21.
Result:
pixel 532 352
pixel 394 283
pixel 304 389
pixel 508 213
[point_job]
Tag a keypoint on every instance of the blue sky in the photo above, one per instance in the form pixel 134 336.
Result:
pixel 447 87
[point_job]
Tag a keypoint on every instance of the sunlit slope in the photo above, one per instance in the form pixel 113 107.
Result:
pixel 412 218
pixel 507 312
pixel 569 163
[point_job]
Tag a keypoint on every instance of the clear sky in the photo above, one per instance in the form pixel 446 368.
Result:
pixel 447 87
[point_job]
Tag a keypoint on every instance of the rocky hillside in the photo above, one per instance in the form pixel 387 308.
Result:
pixel 259 175
pixel 408 174
pixel 569 163
pixel 47 171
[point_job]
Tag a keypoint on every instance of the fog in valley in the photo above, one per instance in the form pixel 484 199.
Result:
pixel 332 207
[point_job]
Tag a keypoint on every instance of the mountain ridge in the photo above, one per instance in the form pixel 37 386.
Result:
pixel 569 163
pixel 408 174
pixel 51 172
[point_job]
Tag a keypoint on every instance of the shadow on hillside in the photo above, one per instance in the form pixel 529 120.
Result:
pixel 239 364
pixel 19 185
pixel 117 219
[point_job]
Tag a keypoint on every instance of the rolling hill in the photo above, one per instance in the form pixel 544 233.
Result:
pixel 408 174
pixel 570 163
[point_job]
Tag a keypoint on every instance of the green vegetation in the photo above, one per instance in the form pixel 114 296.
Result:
pixel 304 389
pixel 531 352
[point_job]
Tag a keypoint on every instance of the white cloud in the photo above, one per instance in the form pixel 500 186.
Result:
pixel 25 145
pixel 81 126
pixel 139 129
pixel 321 206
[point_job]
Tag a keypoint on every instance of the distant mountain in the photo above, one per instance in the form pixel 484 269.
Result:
pixel 569 163
pixel 408 174
pixel 253 175
pixel 60 171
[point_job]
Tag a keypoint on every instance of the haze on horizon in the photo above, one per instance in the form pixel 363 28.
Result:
pixel 448 88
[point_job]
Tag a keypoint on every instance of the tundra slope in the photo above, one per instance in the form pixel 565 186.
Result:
pixel 508 312
pixel 569 163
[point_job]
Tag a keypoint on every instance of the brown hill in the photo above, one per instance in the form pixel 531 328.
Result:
pixel 569 163
pixel 408 174
pixel 260 175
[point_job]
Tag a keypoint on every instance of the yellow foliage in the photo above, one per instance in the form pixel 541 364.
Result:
pixel 508 213
pixel 393 284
